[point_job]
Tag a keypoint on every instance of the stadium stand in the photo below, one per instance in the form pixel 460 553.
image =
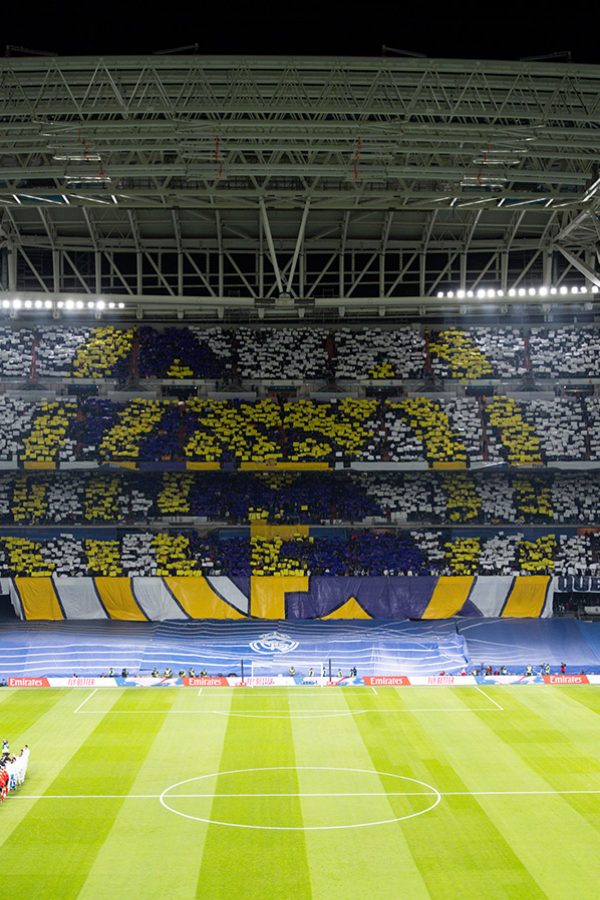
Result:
pixel 438 431
pixel 340 552
pixel 175 353
pixel 370 498
pixel 565 352
pixel 474 354
pixel 407 491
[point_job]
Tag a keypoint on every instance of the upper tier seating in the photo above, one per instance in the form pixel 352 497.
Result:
pixel 439 432
pixel 400 352
pixel 84 352
pixel 565 352
pixel 477 353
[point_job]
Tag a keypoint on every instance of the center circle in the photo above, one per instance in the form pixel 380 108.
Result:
pixel 408 788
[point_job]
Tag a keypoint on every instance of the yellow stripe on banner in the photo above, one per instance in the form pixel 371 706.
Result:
pixel 448 465
pixel 449 596
pixel 284 466
pixel 118 599
pixel 351 609
pixel 267 594
pixel 527 597
pixel 38 598
pixel 199 600
pixel 45 466
pixel 203 466
pixel 286 532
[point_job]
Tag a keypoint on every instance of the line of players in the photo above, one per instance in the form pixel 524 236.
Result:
pixel 13 769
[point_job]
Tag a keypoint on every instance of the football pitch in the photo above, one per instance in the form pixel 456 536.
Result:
pixel 304 793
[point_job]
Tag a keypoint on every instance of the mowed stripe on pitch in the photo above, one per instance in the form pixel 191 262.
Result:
pixel 44 720
pixel 165 850
pixel 458 847
pixel 534 837
pixel 55 844
pixel 247 863
pixel 343 863
pixel 566 736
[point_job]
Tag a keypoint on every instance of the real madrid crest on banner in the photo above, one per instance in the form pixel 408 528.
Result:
pixel 274 642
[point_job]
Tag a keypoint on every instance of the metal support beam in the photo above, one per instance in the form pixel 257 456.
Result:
pixel 219 224
pixel 298 246
pixel 271 245
pixel 581 266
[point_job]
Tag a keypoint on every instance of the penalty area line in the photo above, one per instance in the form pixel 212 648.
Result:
pixel 84 701
pixel 487 697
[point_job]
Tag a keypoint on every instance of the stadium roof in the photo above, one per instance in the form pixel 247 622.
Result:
pixel 252 177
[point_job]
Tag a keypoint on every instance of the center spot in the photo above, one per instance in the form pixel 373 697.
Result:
pixel 300 798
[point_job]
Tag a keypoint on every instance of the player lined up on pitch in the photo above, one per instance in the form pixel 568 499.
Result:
pixel 13 769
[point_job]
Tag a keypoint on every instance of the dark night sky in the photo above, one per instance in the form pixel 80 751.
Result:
pixel 496 29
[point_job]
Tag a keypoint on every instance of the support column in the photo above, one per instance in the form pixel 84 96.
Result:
pixel 504 271
pixel 98 271
pixel 422 274
pixel 56 271
pixel 547 268
pixel 12 267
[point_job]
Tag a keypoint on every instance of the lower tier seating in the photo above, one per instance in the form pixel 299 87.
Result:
pixel 301 552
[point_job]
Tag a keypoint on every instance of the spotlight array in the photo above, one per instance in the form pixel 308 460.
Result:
pixel 68 305
pixel 493 293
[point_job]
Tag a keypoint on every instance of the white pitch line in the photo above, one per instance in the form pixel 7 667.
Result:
pixel 200 691
pixel 373 689
pixel 547 793
pixel 83 702
pixel 487 697
pixel 280 714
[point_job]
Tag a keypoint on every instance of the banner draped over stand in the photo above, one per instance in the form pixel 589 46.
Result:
pixel 279 597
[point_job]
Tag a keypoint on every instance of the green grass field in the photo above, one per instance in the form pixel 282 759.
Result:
pixel 482 794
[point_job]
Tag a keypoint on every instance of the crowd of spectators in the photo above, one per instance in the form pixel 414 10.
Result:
pixel 342 552
pixel 462 431
pixel 371 498
pixel 218 353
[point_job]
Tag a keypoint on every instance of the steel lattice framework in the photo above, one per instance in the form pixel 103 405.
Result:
pixel 224 177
